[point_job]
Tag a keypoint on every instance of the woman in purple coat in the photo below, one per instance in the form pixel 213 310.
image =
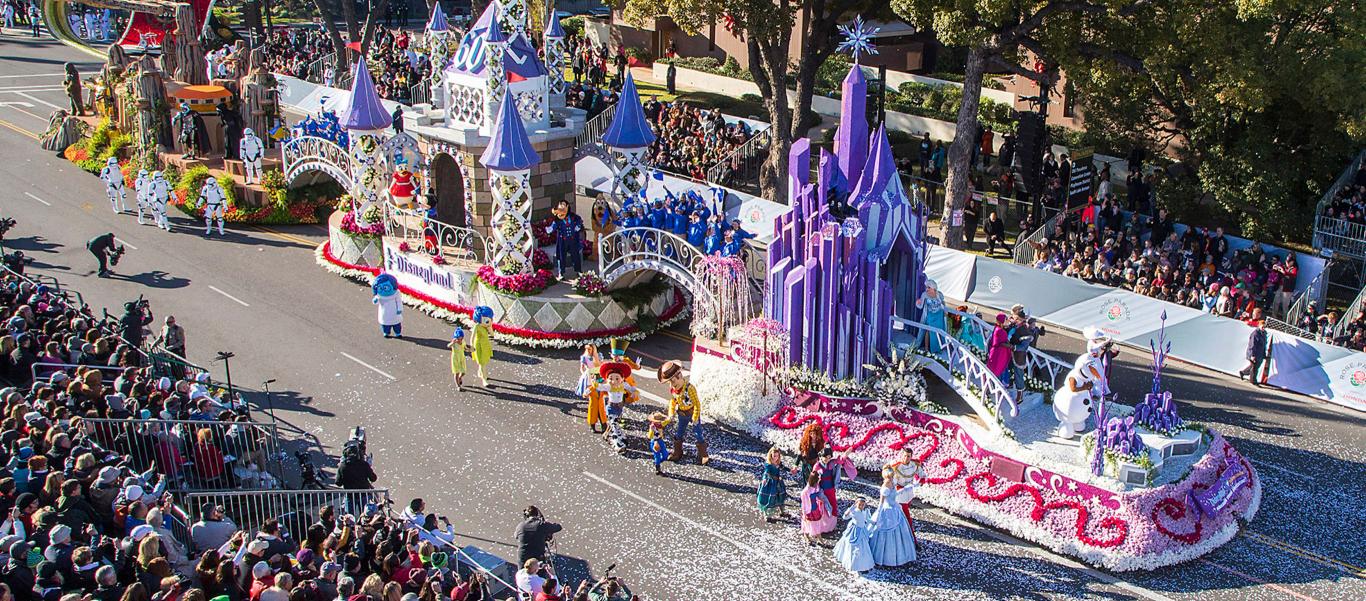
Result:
pixel 998 348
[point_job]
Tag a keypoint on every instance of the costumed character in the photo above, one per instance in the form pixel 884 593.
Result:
pixel 684 410
pixel 72 84
pixel 772 494
pixel 999 350
pixel 390 305
pixel 658 451
pixel 832 469
pixel 232 131
pixel 186 131
pixel 251 150
pixel 818 515
pixel 903 473
pixel 458 351
pixel 617 391
pixel 892 541
pixel 588 387
pixel 403 189
pixel 483 343
pixel 931 302
pixel 1085 385
pixel 853 550
pixel 567 228
pixel 158 194
pixel 113 183
pixel 140 186
pixel 213 199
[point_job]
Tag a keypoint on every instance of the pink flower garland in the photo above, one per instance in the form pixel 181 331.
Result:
pixel 521 284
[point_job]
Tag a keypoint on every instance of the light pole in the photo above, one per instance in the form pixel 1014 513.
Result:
pixel 270 401
pixel 224 356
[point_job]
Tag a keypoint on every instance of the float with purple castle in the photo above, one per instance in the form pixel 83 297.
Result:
pixel 1057 458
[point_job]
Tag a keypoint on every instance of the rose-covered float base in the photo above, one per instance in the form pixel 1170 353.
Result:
pixel 1032 496
pixel 555 318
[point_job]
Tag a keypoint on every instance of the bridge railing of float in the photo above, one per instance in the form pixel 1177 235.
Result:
pixel 628 249
pixel 590 138
pixel 312 152
pixel 992 399
pixel 452 243
pixel 1041 366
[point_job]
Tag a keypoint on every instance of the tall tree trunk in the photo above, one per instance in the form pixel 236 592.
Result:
pixel 329 19
pixel 768 65
pixel 960 152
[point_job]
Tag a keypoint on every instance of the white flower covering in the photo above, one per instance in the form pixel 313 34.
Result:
pixel 733 394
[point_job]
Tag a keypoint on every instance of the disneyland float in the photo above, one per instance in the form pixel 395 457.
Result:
pixel 838 332
pixel 1044 450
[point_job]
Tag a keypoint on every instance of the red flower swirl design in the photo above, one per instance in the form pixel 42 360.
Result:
pixel 957 471
pixel 1120 527
pixel 1175 510
pixel 786 419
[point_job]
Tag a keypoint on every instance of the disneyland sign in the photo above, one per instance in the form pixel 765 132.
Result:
pixel 416 272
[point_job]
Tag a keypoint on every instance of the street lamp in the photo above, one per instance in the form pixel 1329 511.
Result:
pixel 224 356
pixel 270 402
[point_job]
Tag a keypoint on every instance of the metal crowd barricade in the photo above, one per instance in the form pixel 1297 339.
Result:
pixel 109 371
pixel 594 128
pixel 166 363
pixel 1336 234
pixel 294 509
pixel 467 563
pixel 169 447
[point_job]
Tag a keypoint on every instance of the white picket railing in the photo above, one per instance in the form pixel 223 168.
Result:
pixel 591 136
pixel 1041 365
pixel 739 167
pixel 634 248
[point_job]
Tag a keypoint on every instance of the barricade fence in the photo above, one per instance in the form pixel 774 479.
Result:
pixel 244 455
pixel 294 509
pixel 467 562
pixel 43 370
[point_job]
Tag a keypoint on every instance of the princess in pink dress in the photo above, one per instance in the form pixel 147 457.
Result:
pixel 818 516
pixel 999 348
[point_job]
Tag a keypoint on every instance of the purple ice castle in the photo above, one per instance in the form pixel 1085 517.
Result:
pixel 851 252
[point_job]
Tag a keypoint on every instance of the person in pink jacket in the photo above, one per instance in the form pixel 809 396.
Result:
pixel 998 348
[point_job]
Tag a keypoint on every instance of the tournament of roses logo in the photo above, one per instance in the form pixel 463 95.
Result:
pixel 1116 310
pixel 995 284
pixel 1354 374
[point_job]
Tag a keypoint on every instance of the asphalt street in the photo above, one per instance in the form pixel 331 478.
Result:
pixel 480 456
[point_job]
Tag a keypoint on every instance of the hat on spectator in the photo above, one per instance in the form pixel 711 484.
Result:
pixel 47 570
pixel 330 568
pixel 304 556
pixel 60 534
pixel 116 402
pixel 59 377
pixel 133 492
pixel 25 453
pixel 164 383
pixel 257 547
pixel 261 569
pixel 206 510
pixel 8 541
pixel 202 377
pixel 25 499
pixel 141 532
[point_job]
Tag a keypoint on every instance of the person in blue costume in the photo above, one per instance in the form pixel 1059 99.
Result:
pixel 731 245
pixel 714 240
pixel 740 233
pixel 389 304
pixel 772 494
pixel 659 452
pixel 931 302
pixel 697 230
pixel 678 221
pixel 891 541
pixel 658 215
pixel 853 550
pixel 568 231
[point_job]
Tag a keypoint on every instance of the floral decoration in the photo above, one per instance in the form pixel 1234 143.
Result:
pixel 589 284
pixel 520 284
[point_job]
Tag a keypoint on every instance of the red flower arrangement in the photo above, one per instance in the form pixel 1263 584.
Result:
pixel 522 284
pixel 351 225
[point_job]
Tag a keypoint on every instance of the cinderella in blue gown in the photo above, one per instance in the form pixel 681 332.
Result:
pixel 892 542
pixel 852 550
pixel 932 304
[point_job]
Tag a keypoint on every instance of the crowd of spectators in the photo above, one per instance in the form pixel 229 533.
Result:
pixel 87 482
pixel 1195 268
pixel 400 62
pixel 290 50
pixel 1349 204
pixel 690 140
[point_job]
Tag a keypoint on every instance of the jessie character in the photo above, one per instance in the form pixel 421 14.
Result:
pixel 616 391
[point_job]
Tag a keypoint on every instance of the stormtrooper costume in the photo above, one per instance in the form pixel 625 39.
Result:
pixel 113 184
pixel 140 186
pixel 251 150
pixel 213 199
pixel 1074 401
pixel 158 194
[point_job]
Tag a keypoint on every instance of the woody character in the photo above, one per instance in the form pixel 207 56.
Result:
pixel 684 410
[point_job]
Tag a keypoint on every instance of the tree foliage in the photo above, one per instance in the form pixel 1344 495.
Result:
pixel 1263 100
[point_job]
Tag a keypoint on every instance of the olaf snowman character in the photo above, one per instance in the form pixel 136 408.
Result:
pixel 250 149
pixel 1085 385
pixel 213 199
pixel 113 184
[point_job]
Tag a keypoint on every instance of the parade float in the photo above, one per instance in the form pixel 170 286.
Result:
pixel 455 198
pixel 843 343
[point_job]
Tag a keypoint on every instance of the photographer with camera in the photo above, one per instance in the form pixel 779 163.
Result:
pixel 107 251
pixel 534 535
pixel 16 261
pixel 137 314
pixel 354 471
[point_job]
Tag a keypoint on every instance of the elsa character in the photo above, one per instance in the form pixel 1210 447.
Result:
pixel 931 302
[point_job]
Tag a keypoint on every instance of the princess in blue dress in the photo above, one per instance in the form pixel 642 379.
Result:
pixel 853 550
pixel 588 369
pixel 892 542
pixel 931 302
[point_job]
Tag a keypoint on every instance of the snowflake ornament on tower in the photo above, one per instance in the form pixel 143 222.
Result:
pixel 858 38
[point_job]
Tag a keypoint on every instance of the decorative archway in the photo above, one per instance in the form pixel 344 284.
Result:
pixel 448 189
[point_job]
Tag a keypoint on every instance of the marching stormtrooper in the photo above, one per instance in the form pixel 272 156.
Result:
pixel 251 150
pixel 140 186
pixel 113 184
pixel 213 199
pixel 158 194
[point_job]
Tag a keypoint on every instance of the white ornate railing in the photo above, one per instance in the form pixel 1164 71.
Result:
pixel 960 360
pixel 311 153
pixel 634 248
pixel 450 242
pixel 1041 365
